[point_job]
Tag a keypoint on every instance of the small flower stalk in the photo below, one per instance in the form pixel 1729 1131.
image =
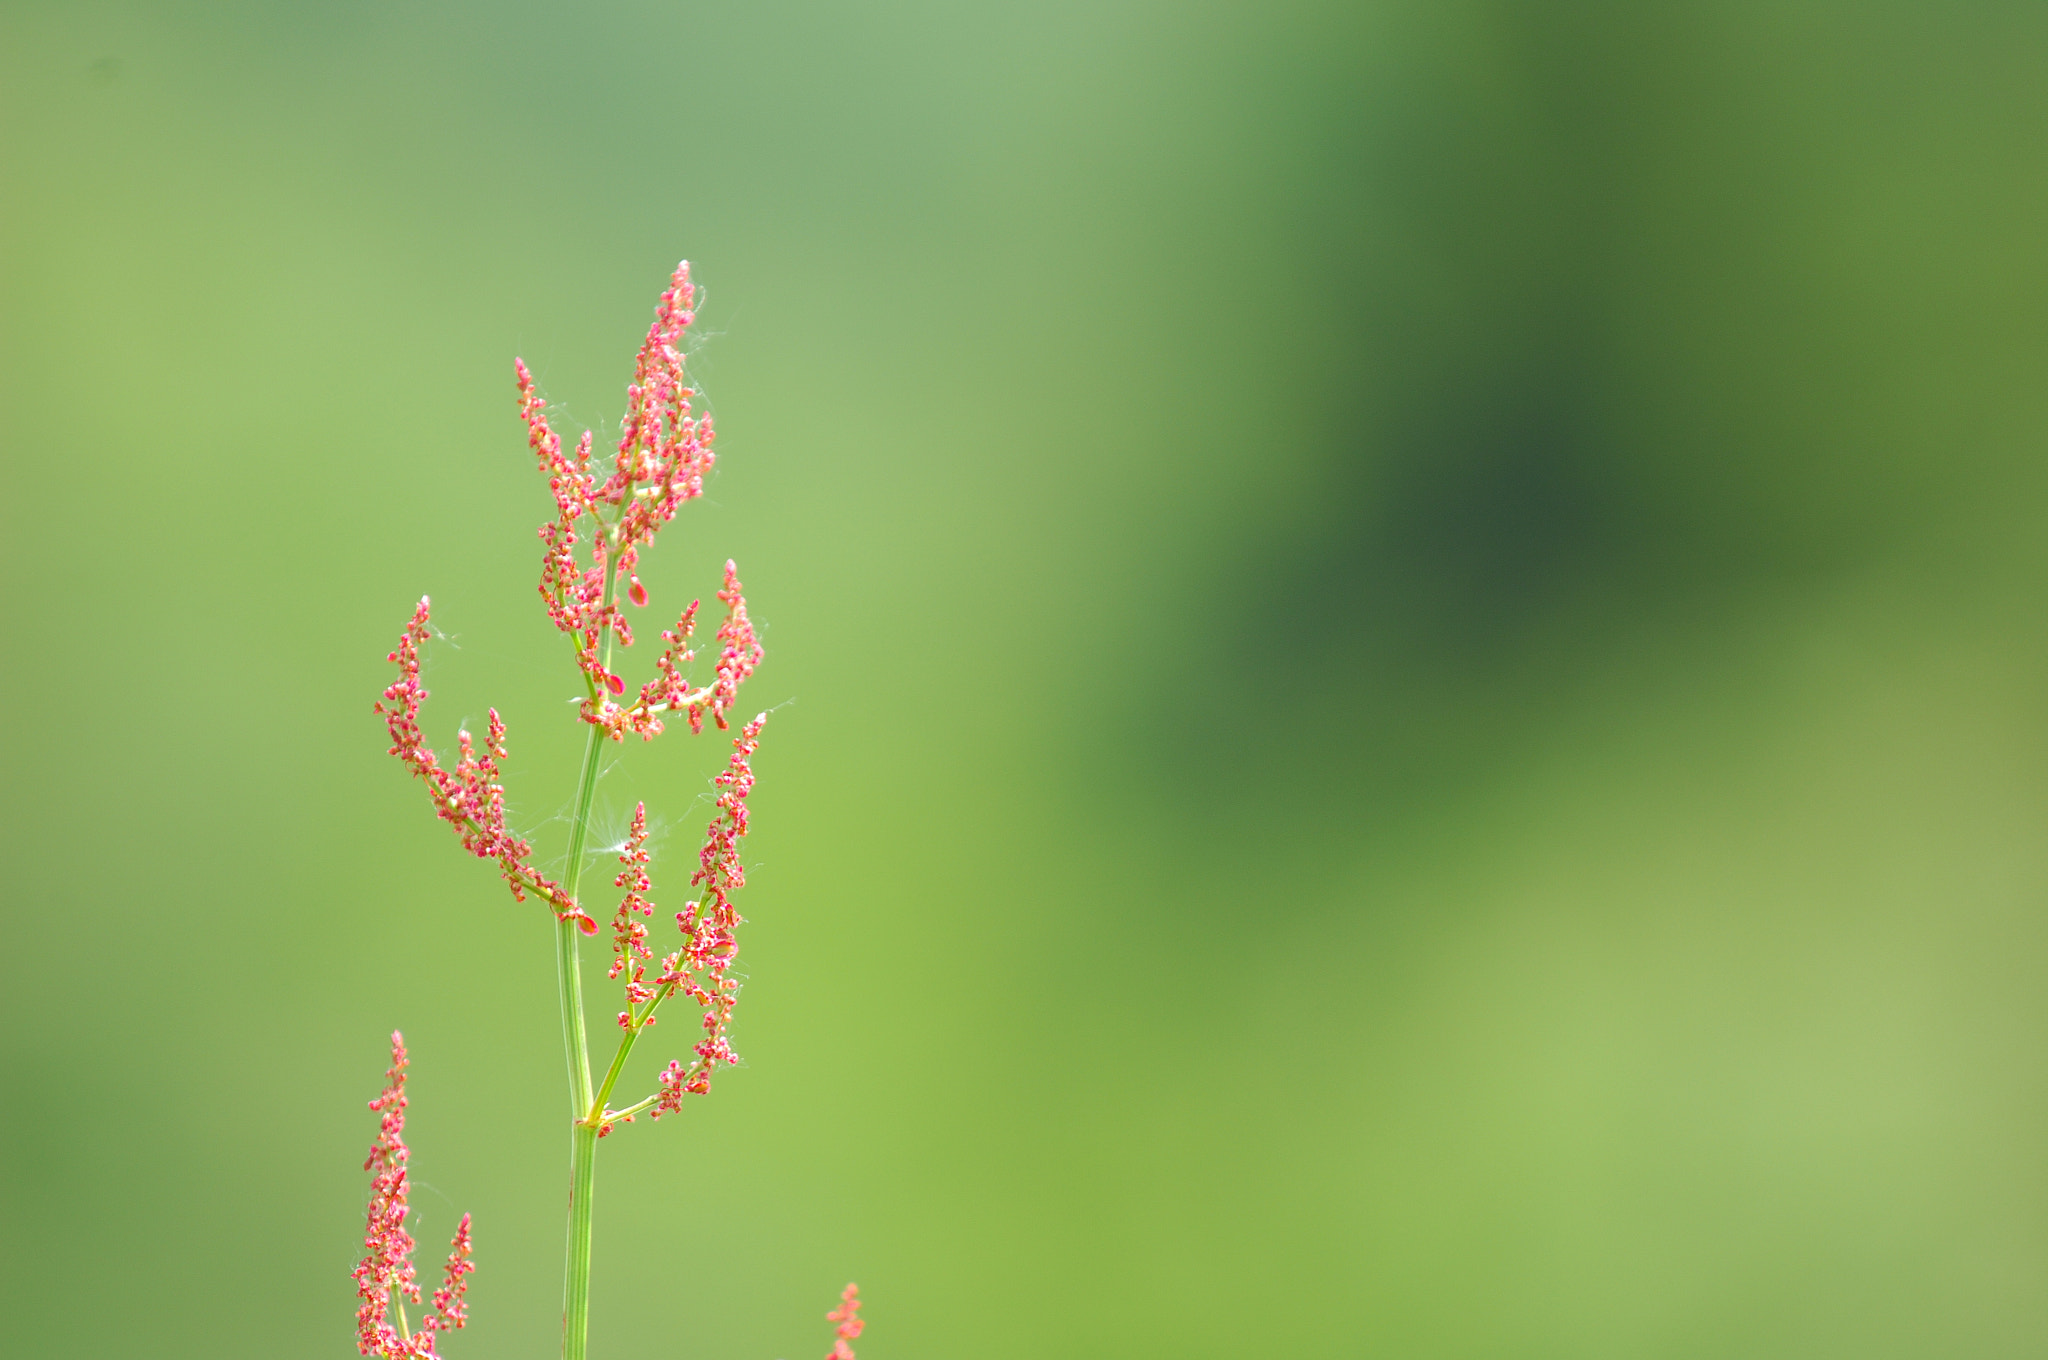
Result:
pixel 847 1315
pixel 385 1277
pixel 606 515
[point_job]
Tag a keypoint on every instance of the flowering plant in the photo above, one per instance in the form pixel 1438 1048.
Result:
pixel 664 452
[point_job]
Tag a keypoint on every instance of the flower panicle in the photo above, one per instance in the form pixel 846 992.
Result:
pixel 664 453
pixel 847 1315
pixel 471 797
pixel 386 1277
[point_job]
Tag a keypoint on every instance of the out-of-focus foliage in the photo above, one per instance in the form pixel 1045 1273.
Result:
pixel 1415 633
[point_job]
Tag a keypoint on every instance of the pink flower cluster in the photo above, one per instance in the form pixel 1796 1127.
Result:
pixel 702 968
pixel 847 1315
pixel 469 797
pixel 664 452
pixel 662 458
pixel 669 692
pixel 385 1277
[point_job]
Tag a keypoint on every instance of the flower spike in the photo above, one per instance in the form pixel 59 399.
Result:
pixel 451 1313
pixel 741 649
pixel 629 935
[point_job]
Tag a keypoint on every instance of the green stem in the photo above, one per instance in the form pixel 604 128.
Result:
pixel 582 1139
pixel 611 1077
pixel 583 1114
pixel 636 1107
pixel 583 1128
pixel 567 968
pixel 576 1290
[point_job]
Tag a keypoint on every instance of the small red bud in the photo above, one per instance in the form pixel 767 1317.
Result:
pixel 637 593
pixel 616 686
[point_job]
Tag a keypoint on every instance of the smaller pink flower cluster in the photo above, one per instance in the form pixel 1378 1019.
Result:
pixel 629 934
pixel 385 1277
pixel 739 653
pixel 470 797
pixel 847 1315
pixel 702 968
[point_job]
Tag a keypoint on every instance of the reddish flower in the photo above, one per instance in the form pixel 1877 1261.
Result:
pixel 847 1315
pixel 385 1277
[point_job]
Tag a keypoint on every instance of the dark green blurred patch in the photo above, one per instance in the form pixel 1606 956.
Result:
pixel 1414 634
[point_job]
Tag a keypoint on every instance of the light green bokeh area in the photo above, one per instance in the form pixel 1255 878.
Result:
pixel 1408 639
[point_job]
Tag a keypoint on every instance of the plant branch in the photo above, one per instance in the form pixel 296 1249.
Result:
pixel 598 1115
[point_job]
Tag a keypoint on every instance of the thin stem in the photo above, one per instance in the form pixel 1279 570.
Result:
pixel 626 1041
pixel 611 1077
pixel 582 1140
pixel 635 1108
pixel 567 964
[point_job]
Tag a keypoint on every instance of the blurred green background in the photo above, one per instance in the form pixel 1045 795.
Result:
pixel 1416 697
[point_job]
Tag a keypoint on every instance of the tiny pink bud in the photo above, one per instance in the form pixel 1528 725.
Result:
pixel 585 924
pixel 637 593
pixel 615 685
